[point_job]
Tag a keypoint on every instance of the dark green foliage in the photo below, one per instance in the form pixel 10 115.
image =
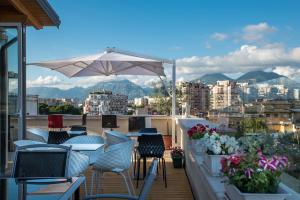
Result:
pixel 44 109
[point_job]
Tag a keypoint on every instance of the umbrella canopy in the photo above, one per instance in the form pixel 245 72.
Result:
pixel 105 64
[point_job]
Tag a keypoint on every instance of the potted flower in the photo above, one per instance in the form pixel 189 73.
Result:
pixel 253 177
pixel 177 157
pixel 217 147
pixel 196 133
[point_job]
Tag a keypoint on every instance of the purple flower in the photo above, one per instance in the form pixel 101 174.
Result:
pixel 249 172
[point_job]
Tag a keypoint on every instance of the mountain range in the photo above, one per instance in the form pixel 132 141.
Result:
pixel 125 87
pixel 133 90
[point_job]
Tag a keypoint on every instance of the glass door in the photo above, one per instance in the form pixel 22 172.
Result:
pixel 12 87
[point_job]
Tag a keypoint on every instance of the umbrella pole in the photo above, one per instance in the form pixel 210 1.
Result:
pixel 173 103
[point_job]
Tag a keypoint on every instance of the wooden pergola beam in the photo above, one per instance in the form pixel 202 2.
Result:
pixel 21 8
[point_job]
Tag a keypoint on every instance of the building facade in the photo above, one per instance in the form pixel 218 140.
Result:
pixel 224 96
pixel 196 94
pixel 105 102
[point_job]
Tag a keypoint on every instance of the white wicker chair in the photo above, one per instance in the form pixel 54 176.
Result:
pixel 115 137
pixel 117 159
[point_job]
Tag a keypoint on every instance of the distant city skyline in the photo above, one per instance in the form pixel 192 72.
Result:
pixel 204 37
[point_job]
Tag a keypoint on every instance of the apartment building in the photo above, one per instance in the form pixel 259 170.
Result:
pixel 224 96
pixel 196 94
pixel 105 102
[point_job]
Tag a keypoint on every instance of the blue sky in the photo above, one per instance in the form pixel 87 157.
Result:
pixel 205 36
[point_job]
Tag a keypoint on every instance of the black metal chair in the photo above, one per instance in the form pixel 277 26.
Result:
pixel 58 137
pixel 144 192
pixel 143 130
pixel 150 146
pixel 41 161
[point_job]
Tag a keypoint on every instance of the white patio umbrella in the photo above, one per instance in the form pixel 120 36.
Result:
pixel 115 62
pixel 105 64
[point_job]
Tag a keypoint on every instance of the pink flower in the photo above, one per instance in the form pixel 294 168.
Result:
pixel 267 164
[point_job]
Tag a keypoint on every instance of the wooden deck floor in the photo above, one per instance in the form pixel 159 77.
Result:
pixel 178 185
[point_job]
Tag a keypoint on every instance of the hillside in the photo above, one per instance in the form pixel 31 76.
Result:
pixel 212 78
pixel 260 76
pixel 119 87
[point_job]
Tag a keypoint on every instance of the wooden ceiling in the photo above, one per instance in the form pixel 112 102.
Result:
pixel 37 13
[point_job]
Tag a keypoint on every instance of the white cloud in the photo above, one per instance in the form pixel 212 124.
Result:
pixel 247 58
pixel 257 32
pixel 44 81
pixel 219 36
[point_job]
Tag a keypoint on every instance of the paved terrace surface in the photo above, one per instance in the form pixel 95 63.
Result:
pixel 178 184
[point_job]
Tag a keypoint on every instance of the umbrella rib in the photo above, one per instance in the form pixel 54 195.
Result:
pixel 145 66
pixel 71 64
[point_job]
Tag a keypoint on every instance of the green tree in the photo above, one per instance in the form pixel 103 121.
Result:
pixel 43 109
pixel 253 125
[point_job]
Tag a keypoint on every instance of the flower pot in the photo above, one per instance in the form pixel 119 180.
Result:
pixel 213 164
pixel 198 146
pixel 177 162
pixel 167 141
pixel 234 193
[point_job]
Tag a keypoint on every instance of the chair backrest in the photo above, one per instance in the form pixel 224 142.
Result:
pixel 109 121
pixel 149 180
pixel 55 121
pixel 20 143
pixel 117 156
pixel 41 161
pixel 115 137
pixel 151 146
pixel 58 137
pixel 85 139
pixel 148 130
pixel 37 134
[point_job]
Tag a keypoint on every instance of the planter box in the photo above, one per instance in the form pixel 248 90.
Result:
pixel 234 193
pixel 198 146
pixel 213 164
pixel 177 162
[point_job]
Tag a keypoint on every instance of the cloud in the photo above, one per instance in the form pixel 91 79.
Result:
pixel 257 32
pixel 291 72
pixel 219 36
pixel 246 58
pixel 44 81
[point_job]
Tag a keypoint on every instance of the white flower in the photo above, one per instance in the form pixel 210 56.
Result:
pixel 223 139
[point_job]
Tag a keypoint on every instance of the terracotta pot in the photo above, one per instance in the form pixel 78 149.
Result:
pixel 167 141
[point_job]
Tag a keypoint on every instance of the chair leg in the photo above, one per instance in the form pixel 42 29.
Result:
pixel 134 164
pixel 99 177
pixel 130 183
pixel 92 182
pixel 138 172
pixel 127 179
pixel 126 183
pixel 144 167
